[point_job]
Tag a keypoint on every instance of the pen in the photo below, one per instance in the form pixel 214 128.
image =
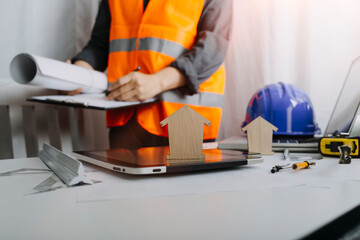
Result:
pixel 286 153
pixel 137 69
pixel 107 92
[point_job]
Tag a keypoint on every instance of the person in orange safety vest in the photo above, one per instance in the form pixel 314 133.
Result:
pixel 176 49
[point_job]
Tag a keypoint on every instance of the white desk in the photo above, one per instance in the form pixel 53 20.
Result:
pixel 272 213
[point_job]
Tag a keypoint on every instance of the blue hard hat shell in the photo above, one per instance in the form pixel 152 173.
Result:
pixel 286 106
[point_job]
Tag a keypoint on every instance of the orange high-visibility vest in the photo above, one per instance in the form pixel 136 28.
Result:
pixel 153 39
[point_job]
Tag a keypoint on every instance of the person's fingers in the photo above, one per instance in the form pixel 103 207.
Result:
pixel 68 61
pixel 121 93
pixel 121 90
pixel 127 96
pixel 133 99
pixel 74 92
pixel 121 86
pixel 121 81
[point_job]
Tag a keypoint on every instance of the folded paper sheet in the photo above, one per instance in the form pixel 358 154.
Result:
pixel 53 74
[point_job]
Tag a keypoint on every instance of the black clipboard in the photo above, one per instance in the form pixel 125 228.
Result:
pixel 90 101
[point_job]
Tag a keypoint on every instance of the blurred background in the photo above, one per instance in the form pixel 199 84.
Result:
pixel 310 43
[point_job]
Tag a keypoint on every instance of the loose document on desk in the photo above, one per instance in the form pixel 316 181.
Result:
pixel 326 174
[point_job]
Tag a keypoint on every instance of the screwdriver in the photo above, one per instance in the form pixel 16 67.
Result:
pixel 277 168
pixel 295 166
pixel 301 165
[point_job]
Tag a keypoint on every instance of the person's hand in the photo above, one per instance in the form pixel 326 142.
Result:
pixel 137 86
pixel 79 63
pixel 70 93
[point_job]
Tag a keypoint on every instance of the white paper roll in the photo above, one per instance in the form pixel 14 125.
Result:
pixel 49 73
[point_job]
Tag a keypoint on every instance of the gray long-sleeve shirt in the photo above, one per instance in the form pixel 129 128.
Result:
pixel 197 64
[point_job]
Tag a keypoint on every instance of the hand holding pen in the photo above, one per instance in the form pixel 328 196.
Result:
pixel 134 86
pixel 108 91
pixel 137 86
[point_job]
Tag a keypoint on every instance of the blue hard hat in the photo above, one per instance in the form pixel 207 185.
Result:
pixel 285 106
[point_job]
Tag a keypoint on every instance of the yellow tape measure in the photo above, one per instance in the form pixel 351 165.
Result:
pixel 329 146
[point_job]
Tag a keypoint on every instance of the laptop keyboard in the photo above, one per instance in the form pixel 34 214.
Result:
pixel 285 141
pixel 296 141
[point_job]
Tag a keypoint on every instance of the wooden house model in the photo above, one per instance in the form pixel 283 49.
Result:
pixel 259 136
pixel 186 130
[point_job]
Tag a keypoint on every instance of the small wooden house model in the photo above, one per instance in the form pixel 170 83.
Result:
pixel 259 136
pixel 186 130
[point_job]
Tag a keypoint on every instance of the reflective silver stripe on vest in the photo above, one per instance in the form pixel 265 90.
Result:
pixel 163 46
pixel 122 45
pixel 201 99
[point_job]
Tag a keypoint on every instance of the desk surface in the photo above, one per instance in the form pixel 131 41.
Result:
pixel 274 212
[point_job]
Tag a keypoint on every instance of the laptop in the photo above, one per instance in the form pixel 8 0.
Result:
pixel 344 120
pixel 152 160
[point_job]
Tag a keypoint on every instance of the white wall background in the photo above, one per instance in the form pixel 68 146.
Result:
pixel 56 29
pixel 310 43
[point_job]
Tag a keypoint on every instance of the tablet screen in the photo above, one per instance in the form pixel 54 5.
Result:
pixel 156 156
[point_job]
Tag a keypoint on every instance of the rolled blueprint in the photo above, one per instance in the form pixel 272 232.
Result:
pixel 49 73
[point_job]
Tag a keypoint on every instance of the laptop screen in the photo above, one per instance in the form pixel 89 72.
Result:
pixel 347 104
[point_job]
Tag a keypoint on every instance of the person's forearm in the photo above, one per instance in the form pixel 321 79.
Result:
pixel 170 78
pixel 209 49
pixel 97 49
